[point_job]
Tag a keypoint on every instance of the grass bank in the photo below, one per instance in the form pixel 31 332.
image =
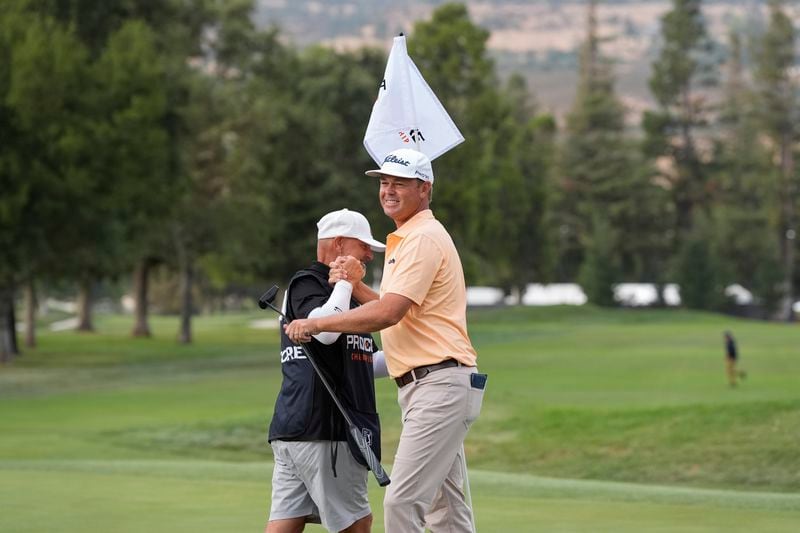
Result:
pixel 594 420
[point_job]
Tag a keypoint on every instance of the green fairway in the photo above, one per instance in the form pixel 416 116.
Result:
pixel 594 421
pixel 188 495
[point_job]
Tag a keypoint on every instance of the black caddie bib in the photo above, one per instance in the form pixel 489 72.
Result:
pixel 304 409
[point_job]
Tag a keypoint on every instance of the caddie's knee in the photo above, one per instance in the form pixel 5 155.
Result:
pixel 362 525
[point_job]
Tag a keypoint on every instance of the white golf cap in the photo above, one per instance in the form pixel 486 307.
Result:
pixel 405 163
pixel 346 223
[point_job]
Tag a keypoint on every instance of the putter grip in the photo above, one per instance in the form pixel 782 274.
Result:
pixel 369 456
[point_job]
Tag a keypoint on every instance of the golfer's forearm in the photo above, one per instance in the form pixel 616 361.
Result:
pixel 372 316
pixel 363 294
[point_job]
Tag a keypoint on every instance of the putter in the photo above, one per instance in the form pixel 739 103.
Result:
pixel 366 452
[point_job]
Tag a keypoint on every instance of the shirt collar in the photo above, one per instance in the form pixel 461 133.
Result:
pixel 412 223
pixel 320 267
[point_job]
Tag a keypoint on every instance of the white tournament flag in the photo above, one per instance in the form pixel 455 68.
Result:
pixel 407 114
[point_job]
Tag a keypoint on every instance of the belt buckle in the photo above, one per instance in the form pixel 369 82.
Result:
pixel 424 371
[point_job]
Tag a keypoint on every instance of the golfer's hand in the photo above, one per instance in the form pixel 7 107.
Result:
pixel 301 330
pixel 348 268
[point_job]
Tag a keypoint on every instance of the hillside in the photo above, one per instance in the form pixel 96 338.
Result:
pixel 536 38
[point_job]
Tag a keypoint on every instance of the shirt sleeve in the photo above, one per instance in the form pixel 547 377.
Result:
pixel 305 295
pixel 338 302
pixel 417 261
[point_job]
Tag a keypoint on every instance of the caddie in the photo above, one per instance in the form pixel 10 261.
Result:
pixel 316 477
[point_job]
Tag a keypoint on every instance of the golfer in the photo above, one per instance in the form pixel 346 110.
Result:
pixel 316 477
pixel 731 358
pixel 421 312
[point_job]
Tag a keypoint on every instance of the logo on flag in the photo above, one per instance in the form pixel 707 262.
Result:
pixel 405 108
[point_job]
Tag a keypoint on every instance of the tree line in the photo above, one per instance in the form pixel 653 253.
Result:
pixel 178 135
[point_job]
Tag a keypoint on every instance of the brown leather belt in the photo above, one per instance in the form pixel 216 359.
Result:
pixel 422 371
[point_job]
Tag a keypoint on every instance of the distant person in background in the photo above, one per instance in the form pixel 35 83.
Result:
pixel 731 357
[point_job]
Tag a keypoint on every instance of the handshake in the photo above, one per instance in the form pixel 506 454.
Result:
pixel 348 268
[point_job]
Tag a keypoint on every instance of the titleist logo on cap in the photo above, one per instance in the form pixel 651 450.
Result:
pixel 391 158
pixel 405 163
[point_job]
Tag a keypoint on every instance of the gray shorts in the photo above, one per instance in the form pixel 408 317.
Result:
pixel 303 484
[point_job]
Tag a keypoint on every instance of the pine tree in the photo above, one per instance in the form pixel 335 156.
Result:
pixel 780 112
pixel 594 163
pixel 681 69
pixel 698 270
pixel 489 191
pixel 600 269
pixel 601 173
pixel 743 185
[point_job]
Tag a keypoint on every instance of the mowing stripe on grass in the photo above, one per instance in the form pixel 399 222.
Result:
pixel 522 485
pixel 483 482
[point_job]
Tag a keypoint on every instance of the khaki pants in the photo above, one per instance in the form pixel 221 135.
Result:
pixel 427 481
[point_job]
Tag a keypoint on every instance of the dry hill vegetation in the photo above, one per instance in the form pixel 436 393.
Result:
pixel 537 38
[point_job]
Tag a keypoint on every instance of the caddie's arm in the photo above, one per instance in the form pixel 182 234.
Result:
pixel 379 368
pixel 338 302
pixel 372 316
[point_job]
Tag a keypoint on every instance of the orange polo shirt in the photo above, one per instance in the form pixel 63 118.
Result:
pixel 421 263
